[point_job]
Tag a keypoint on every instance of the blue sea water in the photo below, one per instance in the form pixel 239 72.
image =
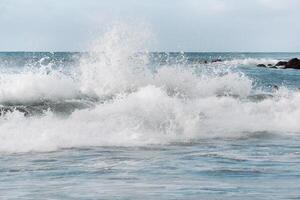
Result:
pixel 148 126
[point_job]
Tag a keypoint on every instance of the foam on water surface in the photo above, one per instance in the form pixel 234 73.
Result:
pixel 129 102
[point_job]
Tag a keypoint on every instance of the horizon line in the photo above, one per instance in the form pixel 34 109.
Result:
pixel 156 51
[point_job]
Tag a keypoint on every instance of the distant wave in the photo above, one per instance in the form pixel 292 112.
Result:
pixel 251 61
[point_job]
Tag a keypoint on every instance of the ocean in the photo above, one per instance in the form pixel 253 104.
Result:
pixel 148 125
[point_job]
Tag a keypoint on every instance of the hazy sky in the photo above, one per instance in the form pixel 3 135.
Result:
pixel 179 25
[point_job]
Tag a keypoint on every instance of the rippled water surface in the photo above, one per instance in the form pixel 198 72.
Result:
pixel 265 167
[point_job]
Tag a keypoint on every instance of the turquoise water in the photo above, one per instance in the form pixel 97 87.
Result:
pixel 170 127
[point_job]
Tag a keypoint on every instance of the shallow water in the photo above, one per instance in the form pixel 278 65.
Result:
pixel 264 167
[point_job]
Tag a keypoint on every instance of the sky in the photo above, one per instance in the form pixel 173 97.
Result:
pixel 178 25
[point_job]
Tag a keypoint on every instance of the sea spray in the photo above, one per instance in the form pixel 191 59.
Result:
pixel 117 61
pixel 133 105
pixel 35 86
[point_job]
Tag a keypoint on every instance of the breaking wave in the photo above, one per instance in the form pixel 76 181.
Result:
pixel 116 98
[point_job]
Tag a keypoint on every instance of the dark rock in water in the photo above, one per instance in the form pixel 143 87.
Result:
pixel 293 63
pixel 261 65
pixel 216 60
pixel 268 66
pixel 281 63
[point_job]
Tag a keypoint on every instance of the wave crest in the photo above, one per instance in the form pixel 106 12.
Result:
pixel 136 105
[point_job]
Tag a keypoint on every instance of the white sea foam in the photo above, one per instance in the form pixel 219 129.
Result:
pixel 251 61
pixel 149 116
pixel 32 86
pixel 174 104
